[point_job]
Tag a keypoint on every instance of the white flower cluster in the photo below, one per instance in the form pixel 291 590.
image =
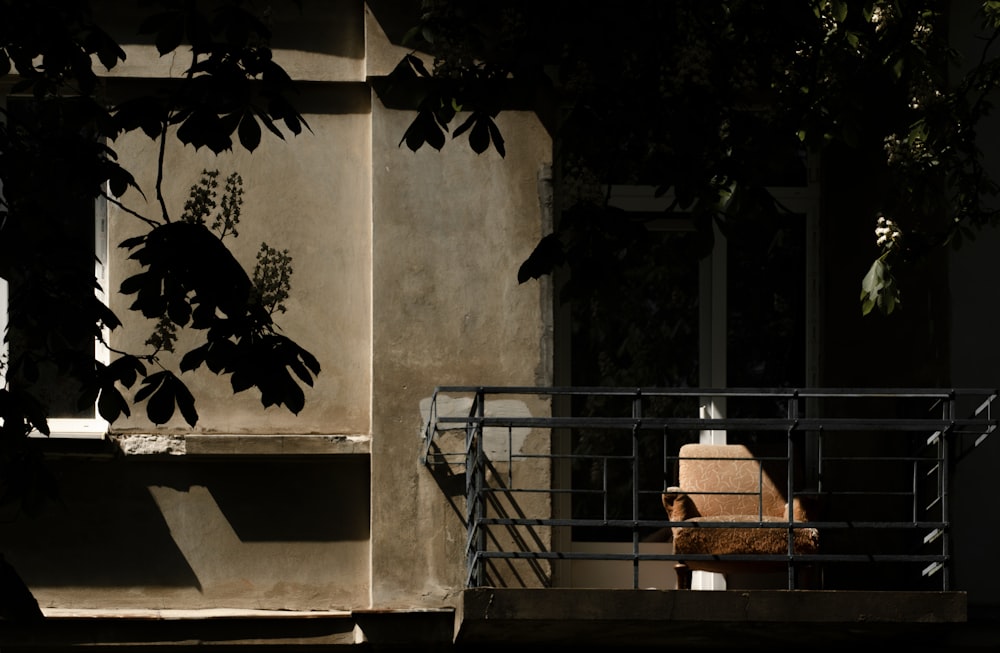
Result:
pixel 887 233
pixel 879 18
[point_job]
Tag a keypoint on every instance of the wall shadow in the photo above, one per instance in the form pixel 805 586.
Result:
pixel 275 500
pixel 103 529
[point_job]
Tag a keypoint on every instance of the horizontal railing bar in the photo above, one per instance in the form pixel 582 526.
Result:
pixel 888 393
pixel 625 456
pixel 697 423
pixel 881 459
pixel 801 557
pixel 809 495
pixel 653 523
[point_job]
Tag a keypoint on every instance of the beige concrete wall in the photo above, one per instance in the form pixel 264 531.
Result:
pixel 237 532
pixel 404 278
pixel 313 40
pixel 450 229
pixel 184 534
pixel 309 194
pixel 274 533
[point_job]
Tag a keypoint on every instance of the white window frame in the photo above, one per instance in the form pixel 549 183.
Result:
pixel 60 427
pixel 712 319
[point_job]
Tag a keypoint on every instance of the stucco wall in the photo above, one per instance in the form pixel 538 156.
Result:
pixel 309 194
pixel 316 40
pixel 177 534
pixel 404 278
pixel 450 229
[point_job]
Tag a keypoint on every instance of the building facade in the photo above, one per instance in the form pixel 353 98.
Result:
pixel 328 528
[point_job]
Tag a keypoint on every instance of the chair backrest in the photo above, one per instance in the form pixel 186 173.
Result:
pixel 735 481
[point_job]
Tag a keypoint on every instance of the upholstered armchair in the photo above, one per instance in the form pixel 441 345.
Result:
pixel 724 483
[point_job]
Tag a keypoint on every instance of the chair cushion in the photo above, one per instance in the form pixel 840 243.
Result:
pixel 722 541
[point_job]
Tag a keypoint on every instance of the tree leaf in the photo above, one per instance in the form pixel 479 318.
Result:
pixel 179 310
pixel 133 284
pixel 241 380
pixel 249 132
pixel 194 359
pixel 294 398
pixel 465 126
pixel 119 181
pixel 160 407
pixel 129 243
pixel 424 129
pixel 185 401
pixel 496 137
pixel 839 10
pixel 879 289
pixel 105 315
pixel 479 137
pixel 146 113
pixel 547 255
pixel 149 385
pixel 170 32
pixel 109 53
pixel 418 65
pixel 300 361
pixel 125 370
pixel 111 404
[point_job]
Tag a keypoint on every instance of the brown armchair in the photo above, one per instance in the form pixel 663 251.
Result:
pixel 725 483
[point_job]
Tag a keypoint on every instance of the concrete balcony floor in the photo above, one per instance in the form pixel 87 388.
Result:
pixel 681 620
pixel 494 619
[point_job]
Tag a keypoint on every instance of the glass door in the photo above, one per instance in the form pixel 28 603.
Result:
pixel 725 304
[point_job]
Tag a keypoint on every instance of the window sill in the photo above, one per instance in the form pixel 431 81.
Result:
pixel 166 614
pixel 220 444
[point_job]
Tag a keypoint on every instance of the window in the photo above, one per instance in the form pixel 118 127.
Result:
pixel 738 317
pixel 50 345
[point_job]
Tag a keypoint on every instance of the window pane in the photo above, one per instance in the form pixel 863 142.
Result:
pixel 50 338
pixel 51 284
pixel 636 326
pixel 766 278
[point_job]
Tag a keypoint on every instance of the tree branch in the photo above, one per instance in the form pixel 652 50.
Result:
pixel 133 213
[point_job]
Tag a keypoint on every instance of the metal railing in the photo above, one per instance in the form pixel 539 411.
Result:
pixel 546 467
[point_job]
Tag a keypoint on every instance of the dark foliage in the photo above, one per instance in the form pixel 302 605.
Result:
pixel 713 102
pixel 62 137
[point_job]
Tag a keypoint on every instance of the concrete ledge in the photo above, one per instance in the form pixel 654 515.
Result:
pixel 180 630
pixel 270 445
pixel 749 619
pixel 194 615
pixel 128 629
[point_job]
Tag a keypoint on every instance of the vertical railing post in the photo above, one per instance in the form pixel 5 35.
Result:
pixel 944 450
pixel 789 454
pixel 637 417
pixel 474 479
pixel 793 416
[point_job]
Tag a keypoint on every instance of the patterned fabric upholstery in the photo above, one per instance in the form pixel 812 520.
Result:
pixel 724 483
pixel 735 484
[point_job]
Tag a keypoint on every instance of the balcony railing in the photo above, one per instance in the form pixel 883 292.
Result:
pixel 545 468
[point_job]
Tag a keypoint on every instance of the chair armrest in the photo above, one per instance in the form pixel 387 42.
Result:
pixel 678 504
